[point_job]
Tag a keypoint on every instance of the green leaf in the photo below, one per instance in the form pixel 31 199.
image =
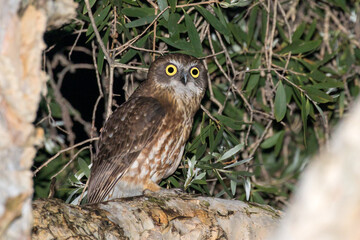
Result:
pixel 92 2
pixel 321 111
pixel 280 102
pixel 289 93
pixel 236 3
pixel 341 104
pixel 218 139
pixel 253 81
pixel 162 5
pixel 254 76
pixel 179 44
pixel 174 182
pixel 326 59
pixel 99 20
pixel 193 35
pixel 311 30
pixel 220 15
pixel 214 22
pixel 232 123
pixel 233 187
pixel 271 141
pixel 132 52
pixel 294 165
pixel 281 32
pixel 231 152
pixel 239 173
pixel 173 5
pixel 140 22
pixel 317 95
pixel 172 26
pixel 197 141
pixel 247 187
pixel 200 151
pixel 226 189
pixel 298 32
pixel 238 163
pixel 317 75
pixel 342 4
pixel 357 53
pixel 331 83
pixel 55 109
pixel 101 57
pixel 257 198
pixel 84 167
pixel 251 25
pixel 238 33
pixel 304 114
pixel 263 25
pixel 211 136
pixel 279 144
pixel 99 17
pixel 299 46
pixel 199 181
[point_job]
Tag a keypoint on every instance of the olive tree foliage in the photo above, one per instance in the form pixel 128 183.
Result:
pixel 281 75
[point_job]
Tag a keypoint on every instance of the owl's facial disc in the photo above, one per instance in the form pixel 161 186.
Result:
pixel 183 76
pixel 172 69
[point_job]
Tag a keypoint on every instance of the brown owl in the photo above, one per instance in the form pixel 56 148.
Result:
pixel 143 141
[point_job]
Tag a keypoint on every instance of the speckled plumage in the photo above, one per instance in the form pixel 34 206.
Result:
pixel 143 140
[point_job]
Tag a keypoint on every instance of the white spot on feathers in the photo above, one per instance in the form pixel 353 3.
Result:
pixel 135 165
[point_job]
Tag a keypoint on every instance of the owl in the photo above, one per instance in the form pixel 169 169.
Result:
pixel 143 140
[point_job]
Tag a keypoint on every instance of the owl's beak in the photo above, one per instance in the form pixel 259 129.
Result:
pixel 184 78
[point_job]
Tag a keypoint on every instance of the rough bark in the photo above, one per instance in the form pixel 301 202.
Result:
pixel 21 82
pixel 154 217
pixel 327 202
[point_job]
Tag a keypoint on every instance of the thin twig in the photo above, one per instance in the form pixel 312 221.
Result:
pixel 196 4
pixel 101 94
pixel 130 42
pixel 209 114
pixel 83 191
pixel 212 98
pixel 76 40
pixel 260 139
pixel 65 114
pixel 97 34
pixel 70 161
pixel 111 83
pixel 213 55
pixel 121 65
pixel 62 151
pixel 148 50
pixel 228 58
pixel 155 26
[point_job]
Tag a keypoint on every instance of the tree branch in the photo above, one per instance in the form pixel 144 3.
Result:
pixel 154 217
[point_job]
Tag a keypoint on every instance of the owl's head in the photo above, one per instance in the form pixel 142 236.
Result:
pixel 182 75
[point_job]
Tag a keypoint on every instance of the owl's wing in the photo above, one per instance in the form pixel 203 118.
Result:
pixel 128 130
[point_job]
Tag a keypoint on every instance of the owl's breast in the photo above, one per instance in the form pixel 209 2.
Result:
pixel 166 153
pixel 162 155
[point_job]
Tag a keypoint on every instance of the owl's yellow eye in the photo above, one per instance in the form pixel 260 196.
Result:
pixel 171 70
pixel 194 72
